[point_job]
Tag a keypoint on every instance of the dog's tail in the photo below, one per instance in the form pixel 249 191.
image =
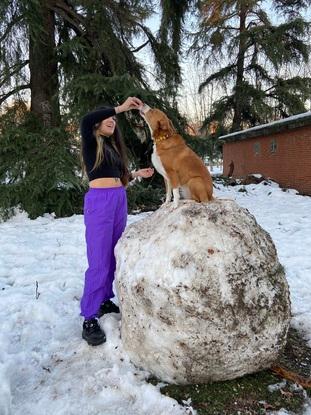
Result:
pixel 294 377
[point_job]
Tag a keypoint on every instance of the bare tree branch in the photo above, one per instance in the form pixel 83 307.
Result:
pixel 14 91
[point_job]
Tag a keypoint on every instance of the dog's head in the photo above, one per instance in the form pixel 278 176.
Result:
pixel 157 121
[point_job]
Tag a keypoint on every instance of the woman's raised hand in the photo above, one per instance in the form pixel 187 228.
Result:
pixel 131 103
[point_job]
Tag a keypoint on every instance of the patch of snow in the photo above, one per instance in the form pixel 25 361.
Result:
pixel 257 175
pixel 277 386
pixel 46 367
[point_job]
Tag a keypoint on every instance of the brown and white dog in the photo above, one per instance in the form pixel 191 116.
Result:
pixel 175 161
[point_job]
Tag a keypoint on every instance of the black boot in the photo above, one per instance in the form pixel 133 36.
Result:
pixel 108 307
pixel 92 332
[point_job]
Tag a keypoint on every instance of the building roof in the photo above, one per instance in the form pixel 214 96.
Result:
pixel 295 121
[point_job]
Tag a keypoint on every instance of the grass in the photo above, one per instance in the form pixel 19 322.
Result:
pixel 250 394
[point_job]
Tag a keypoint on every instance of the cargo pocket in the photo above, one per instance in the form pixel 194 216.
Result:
pixel 89 210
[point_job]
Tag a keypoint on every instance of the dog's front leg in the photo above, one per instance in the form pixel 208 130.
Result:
pixel 174 183
pixel 168 188
pixel 176 197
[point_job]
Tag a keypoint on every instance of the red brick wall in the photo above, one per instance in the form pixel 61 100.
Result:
pixel 289 165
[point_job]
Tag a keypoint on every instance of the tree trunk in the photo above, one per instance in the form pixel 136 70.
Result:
pixel 43 66
pixel 238 104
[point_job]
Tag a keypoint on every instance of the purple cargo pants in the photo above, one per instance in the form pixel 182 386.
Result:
pixel 105 214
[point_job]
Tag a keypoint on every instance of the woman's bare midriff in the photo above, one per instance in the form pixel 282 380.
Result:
pixel 105 182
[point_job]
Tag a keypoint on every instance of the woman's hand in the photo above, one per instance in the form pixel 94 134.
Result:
pixel 145 173
pixel 131 103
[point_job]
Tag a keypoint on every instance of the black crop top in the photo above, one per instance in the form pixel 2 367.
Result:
pixel 111 165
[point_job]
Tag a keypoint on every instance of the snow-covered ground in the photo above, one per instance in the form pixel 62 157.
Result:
pixel 45 366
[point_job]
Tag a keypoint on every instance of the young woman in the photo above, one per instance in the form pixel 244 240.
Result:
pixel 105 210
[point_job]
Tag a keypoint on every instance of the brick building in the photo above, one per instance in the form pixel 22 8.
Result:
pixel 280 150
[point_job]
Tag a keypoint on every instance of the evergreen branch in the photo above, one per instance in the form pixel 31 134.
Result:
pixel 296 84
pixel 126 40
pixel 173 13
pixel 78 31
pixel 160 53
pixel 222 74
pixel 145 30
pixel 291 7
pixel 262 16
pixel 269 89
pixel 70 11
pixel 63 9
pixel 15 20
pixel 221 112
pixel 252 23
pixel 230 28
pixel 259 70
pixel 71 23
pixel 140 47
pixel 14 91
pixel 75 25
pixel 213 10
pixel 283 43
pixel 17 68
pixel 212 23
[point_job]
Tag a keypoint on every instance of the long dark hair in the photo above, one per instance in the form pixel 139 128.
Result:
pixel 118 143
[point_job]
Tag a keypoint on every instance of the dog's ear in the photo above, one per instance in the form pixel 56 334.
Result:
pixel 161 125
pixel 166 125
pixel 171 127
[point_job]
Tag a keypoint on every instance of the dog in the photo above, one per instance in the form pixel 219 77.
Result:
pixel 181 167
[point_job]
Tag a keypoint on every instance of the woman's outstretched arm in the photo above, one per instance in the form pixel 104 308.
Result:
pixel 94 117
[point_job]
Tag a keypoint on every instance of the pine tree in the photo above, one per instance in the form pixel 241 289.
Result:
pixel 44 86
pixel 30 24
pixel 38 158
pixel 13 60
pixel 171 30
pixel 99 64
pixel 256 52
pixel 81 54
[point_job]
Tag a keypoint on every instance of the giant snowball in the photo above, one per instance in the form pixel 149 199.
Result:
pixel 202 294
